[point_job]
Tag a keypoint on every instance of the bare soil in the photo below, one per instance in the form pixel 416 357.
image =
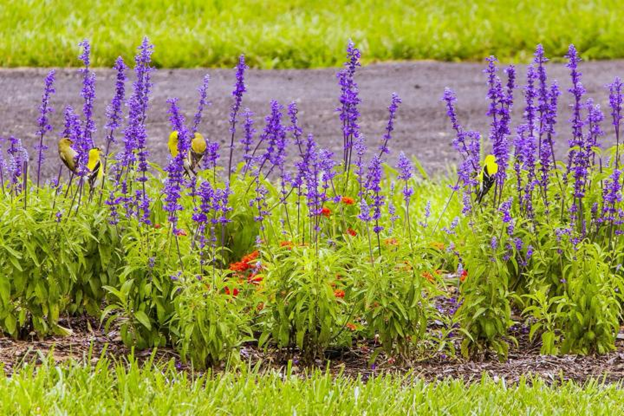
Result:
pixel 89 342
pixel 422 128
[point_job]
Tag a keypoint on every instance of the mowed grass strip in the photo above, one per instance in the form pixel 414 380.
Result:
pixel 131 389
pixel 302 33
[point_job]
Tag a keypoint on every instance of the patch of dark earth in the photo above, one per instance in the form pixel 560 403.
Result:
pixel 88 343
pixel 421 130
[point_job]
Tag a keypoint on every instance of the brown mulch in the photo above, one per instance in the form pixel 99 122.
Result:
pixel 88 343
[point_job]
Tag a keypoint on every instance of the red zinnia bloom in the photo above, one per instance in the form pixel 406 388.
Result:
pixel 239 266
pixel 347 200
pixel 254 279
pixel 351 232
pixel 351 326
pixel 250 257
pixel 463 276
pixel 233 292
pixel 325 212
pixel 339 293
pixel 157 226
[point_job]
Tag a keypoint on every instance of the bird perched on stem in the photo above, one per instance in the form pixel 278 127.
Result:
pixel 487 176
pixel 198 149
pixel 192 159
pixel 67 154
pixel 95 168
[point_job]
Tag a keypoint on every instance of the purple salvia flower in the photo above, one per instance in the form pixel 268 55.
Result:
pixel 247 140
pixel 501 101
pixel 238 92
pixel 547 116
pixel 615 103
pixel 526 145
pixel 364 214
pixel 425 223
pixel 405 174
pixel 114 110
pixel 468 146
pixel 373 186
pixel 135 134
pixel 392 109
pixel 577 90
pixel 175 169
pixel 88 94
pixel 203 102
pixel 295 128
pixel 17 155
pixel 349 101
pixel 44 121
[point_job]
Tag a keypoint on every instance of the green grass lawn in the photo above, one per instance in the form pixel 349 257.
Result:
pixel 122 389
pixel 109 389
pixel 303 34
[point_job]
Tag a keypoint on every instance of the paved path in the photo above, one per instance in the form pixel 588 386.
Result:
pixel 422 128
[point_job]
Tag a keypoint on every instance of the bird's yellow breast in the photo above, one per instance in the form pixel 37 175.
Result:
pixel 173 143
pixel 198 144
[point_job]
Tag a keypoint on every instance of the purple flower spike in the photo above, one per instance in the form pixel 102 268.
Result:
pixel 175 169
pixel 392 109
pixel 88 94
pixel 239 91
pixel 405 169
pixel 349 101
pixel 248 140
pixel 577 90
pixel 44 121
pixel 203 102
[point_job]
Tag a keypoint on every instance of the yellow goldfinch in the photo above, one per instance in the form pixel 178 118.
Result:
pixel 198 149
pixel 96 170
pixel 68 155
pixel 173 151
pixel 487 176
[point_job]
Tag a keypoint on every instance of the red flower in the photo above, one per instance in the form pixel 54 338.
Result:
pixel 254 279
pixel 233 292
pixel 463 276
pixel 351 232
pixel 157 226
pixel 352 327
pixel 239 266
pixel 427 276
pixel 347 200
pixel 181 233
pixel 250 257
pixel 339 293
pixel 288 244
pixel 326 212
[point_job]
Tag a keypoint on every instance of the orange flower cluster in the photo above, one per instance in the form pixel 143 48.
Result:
pixel 347 200
pixel 391 241
pixel 326 212
pixel 438 245
pixel 245 263
pixel 351 327
pixel 339 293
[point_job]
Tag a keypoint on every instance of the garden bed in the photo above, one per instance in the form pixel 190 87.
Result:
pixel 88 342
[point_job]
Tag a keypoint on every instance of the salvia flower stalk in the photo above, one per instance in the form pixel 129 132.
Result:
pixel 349 101
pixel 239 91
pixel 44 121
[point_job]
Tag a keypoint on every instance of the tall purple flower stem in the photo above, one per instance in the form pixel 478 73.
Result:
pixel 44 121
